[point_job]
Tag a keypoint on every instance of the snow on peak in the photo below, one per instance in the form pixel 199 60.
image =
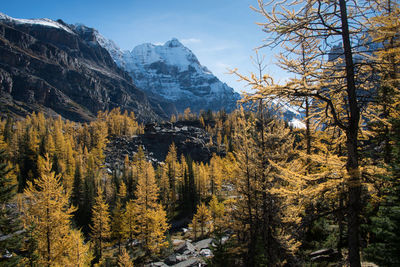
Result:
pixel 116 53
pixel 173 43
pixel 172 71
pixel 296 123
pixel 43 22
pixel 172 53
pixel 104 42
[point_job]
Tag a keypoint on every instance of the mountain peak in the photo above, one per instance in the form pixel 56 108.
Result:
pixel 173 73
pixel 172 53
pixel 173 43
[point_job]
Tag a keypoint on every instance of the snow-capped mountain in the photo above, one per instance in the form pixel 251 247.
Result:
pixel 172 72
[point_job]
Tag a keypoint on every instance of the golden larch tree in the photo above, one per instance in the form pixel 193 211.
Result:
pixel 80 253
pixel 47 208
pixel 100 227
pixel 124 260
pixel 145 214
pixel 201 221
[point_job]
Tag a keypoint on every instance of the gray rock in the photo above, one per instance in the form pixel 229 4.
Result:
pixel 224 239
pixel 7 255
pixel 205 243
pixel 188 252
pixel 157 264
pixel 206 253
pixel 171 260
pixel 180 258
pixel 185 246
pixel 156 145
pixel 177 242
pixel 189 263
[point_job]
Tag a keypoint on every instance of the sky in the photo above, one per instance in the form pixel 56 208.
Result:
pixel 222 33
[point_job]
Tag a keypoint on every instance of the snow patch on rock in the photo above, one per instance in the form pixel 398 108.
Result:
pixel 43 22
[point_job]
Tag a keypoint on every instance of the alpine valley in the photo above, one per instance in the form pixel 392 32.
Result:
pixel 143 157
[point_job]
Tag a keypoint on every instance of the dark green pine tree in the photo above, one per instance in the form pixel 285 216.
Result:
pixel 188 192
pixel 10 228
pixel 385 226
pixel 85 211
pixel 77 195
pixel 28 158
pixel 192 197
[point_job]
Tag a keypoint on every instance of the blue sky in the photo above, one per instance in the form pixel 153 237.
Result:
pixel 222 33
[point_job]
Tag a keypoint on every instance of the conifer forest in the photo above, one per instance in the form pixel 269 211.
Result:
pixel 237 188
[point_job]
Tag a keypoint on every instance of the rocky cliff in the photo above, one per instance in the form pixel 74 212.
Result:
pixel 189 137
pixel 57 68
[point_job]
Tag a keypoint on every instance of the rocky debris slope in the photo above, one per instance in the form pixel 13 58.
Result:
pixel 187 254
pixel 61 69
pixel 189 138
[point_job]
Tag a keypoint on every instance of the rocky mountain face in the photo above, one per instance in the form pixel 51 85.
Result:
pixel 172 73
pixel 61 69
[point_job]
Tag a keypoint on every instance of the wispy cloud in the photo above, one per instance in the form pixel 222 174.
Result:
pixel 219 48
pixel 190 41
pixel 223 67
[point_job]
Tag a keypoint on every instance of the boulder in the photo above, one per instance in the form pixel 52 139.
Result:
pixel 180 258
pixel 189 252
pixel 224 239
pixel 7 255
pixel 189 263
pixel 205 243
pixel 187 246
pixel 171 260
pixel 176 242
pixel 206 252
pixel 156 264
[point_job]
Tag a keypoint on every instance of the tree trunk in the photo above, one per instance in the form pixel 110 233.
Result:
pixel 340 221
pixel 48 238
pixel 354 181
pixel 308 130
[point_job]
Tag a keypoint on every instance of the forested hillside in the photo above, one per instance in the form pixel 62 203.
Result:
pixel 210 188
pixel 270 199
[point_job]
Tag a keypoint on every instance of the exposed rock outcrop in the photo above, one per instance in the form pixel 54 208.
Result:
pixel 190 140
pixel 52 67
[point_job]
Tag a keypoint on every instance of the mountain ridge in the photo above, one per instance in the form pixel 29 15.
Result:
pixel 173 72
pixel 46 66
